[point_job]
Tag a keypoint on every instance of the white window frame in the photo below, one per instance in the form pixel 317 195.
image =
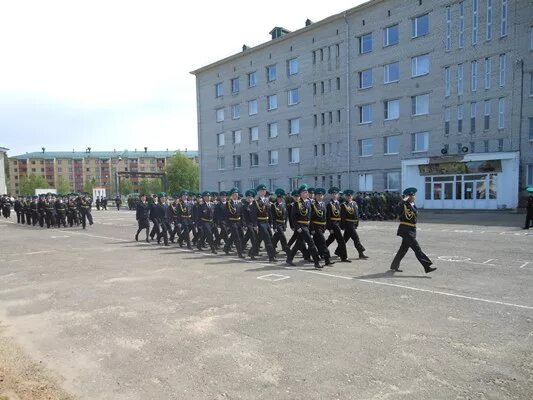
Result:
pixel 235 158
pixel 366 147
pixel 460 79
pixel 399 180
pixel 273 130
pixel 273 157
pixel 252 79
pixel 530 128
pixel 388 147
pixel 235 111
pixel 293 97
pixel 503 15
pixel 386 72
pixel 254 133
pixel 387 104
pixel 501 113
pixel 366 183
pixel 272 102
pixel 221 163
pixel 294 155
pixel 416 68
pixel 253 157
pixel 362 74
pixel 503 69
pixel 415 104
pixel 475 20
pixel 488 72
pixel 529 173
pixel 362 107
pixel 220 139
pixel 460 118
pixel 292 66
pixel 488 20
pixel 473 75
pixel 237 136
pixel 447 119
pixel 414 26
pixel 447 81
pixel 235 85
pixel 461 24
pixel 361 42
pixel 272 73
pixel 386 40
pixel 416 141
pixel 253 107
pixel 294 126
pixel 486 113
pixel 448 43
pixel 219 114
pixel 219 89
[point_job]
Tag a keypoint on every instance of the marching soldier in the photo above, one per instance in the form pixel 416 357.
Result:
pixel 153 217
pixel 219 218
pixel 73 213
pixel 173 219
pixel 205 220
pixel 34 207
pixel 50 211
pixel 185 219
pixel 350 222
pixel 84 207
pixel 161 215
pixel 278 216
pixel 407 231
pixel 18 210
pixel 26 209
pixel 529 209
pixel 61 212
pixel 247 222
pixel 301 212
pixel 142 215
pixel 233 213
pixel 259 217
pixel 318 225
pixel 333 218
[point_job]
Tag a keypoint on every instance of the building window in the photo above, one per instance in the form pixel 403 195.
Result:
pixel 365 79
pixel 474 21
pixel 489 19
pixel 531 84
pixel 366 183
pixel 323 149
pixel 254 134
pixel 530 174
pixel 488 72
pixel 486 116
pixel 338 115
pixel 393 181
pixel 448 28
pixel 220 115
pixel 392 109
pixel 500 144
pixel 273 157
pixel 473 113
pixel 486 146
pixel 271 73
pixel 472 147
pixel 501 113
pixel 365 43
pixel 447 117
pixel 254 159
pixel 503 28
pixel 273 130
pixel 338 80
pixel 530 128
pixel 391 35
pixel 237 162
pixel 473 74
pixel 330 117
pixel 221 164
pixel 235 85
pixel 420 65
pixel 447 81
pixel 365 113
pixel 294 155
pixel 252 107
pixel 252 79
pixel 235 111
pixel 420 104
pixel 392 144
pixel 391 72
pixel 316 150
pixel 366 147
pixel 503 69
pixel 420 26
pixel 272 102
pixel 292 66
pixel 420 141
pixel 314 88
pixel 315 120
pixel 220 139
pixel 460 79
pixel 236 136
pixel 294 126
pixel 293 97
pixel 219 89
pixel 461 24
pixel 460 114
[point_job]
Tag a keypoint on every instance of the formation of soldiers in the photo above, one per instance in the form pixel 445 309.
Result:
pixel 50 210
pixel 232 222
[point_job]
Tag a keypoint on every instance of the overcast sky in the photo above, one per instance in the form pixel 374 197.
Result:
pixel 115 74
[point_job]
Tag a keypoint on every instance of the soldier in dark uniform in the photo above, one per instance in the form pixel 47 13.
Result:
pixel 104 203
pixel 26 209
pixel 98 203
pixel 219 219
pixel 333 218
pixel 247 222
pixel 185 219
pixel 407 231
pixel 233 216
pixel 173 219
pixel 61 212
pixel 34 208
pixel 155 223
pixel 318 225
pixel 301 213
pixel 197 227
pixel 205 220
pixel 278 216
pixel 73 213
pixel 42 212
pixel 142 215
pixel 18 210
pixel 350 222
pixel 161 216
pixel 259 218
pixel 84 207
pixel 529 209
pixel 50 211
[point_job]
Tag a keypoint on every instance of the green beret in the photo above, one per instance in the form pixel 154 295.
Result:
pixel 295 193
pixel 161 194
pixel 348 192
pixel 223 193
pixel 303 188
pixel 311 190
pixel 333 190
pixel 206 193
pixel 320 191
pixel 280 192
pixel 250 193
pixel 409 191
pixel 261 186
pixel 530 189
pixel 233 190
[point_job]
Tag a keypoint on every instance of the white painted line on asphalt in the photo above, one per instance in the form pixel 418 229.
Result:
pixel 96 236
pixel 326 274
pixel 486 262
pixel 61 236
pixel 454 258
pixel 273 277
pixel 524 264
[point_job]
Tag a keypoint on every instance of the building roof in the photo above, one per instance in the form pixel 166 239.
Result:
pixel 3 149
pixel 287 35
pixel 104 154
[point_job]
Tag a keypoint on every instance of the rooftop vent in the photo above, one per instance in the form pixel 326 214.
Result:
pixel 308 22
pixel 245 47
pixel 278 31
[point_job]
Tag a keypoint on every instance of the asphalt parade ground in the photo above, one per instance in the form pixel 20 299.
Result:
pixel 111 318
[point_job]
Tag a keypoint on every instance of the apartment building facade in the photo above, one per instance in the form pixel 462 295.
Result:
pixel 386 95
pixel 100 167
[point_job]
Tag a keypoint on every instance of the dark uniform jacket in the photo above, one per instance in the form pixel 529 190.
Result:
pixel 318 215
pixel 278 215
pixel 259 212
pixel 184 210
pixel 219 215
pixel 143 211
pixel 301 213
pixel 61 208
pixel 333 214
pixel 233 211
pixel 408 214
pixel 349 214
pixel 206 212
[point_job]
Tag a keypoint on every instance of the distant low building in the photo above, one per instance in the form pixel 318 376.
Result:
pixel 77 167
pixel 3 187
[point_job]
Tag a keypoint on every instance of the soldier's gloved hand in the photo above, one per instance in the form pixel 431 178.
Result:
pixel 256 229
pixel 299 230
pixel 331 231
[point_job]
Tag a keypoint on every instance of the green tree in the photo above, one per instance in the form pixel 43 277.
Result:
pixel 144 186
pixel 126 187
pixel 29 183
pixel 150 186
pixel 63 186
pixel 182 173
pixel 89 185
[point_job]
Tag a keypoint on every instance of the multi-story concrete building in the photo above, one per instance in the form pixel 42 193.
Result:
pixel 386 95
pixel 100 167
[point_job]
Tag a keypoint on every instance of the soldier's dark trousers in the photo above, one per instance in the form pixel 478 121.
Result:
pixel 185 234
pixel 41 220
pixel 28 218
pixel 86 216
pixel 50 219
pixel 410 242
pixel 20 217
pixel 206 234
pixel 252 236
pixel 155 228
pixel 223 235
pixel 341 244
pixel 176 231
pixel 34 217
pixel 236 237
pixel 320 243
pixel 163 233
pixel 529 218
pixel 279 236
pixel 293 239
pixel 264 234
pixel 61 220
pixel 304 237
pixel 350 232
